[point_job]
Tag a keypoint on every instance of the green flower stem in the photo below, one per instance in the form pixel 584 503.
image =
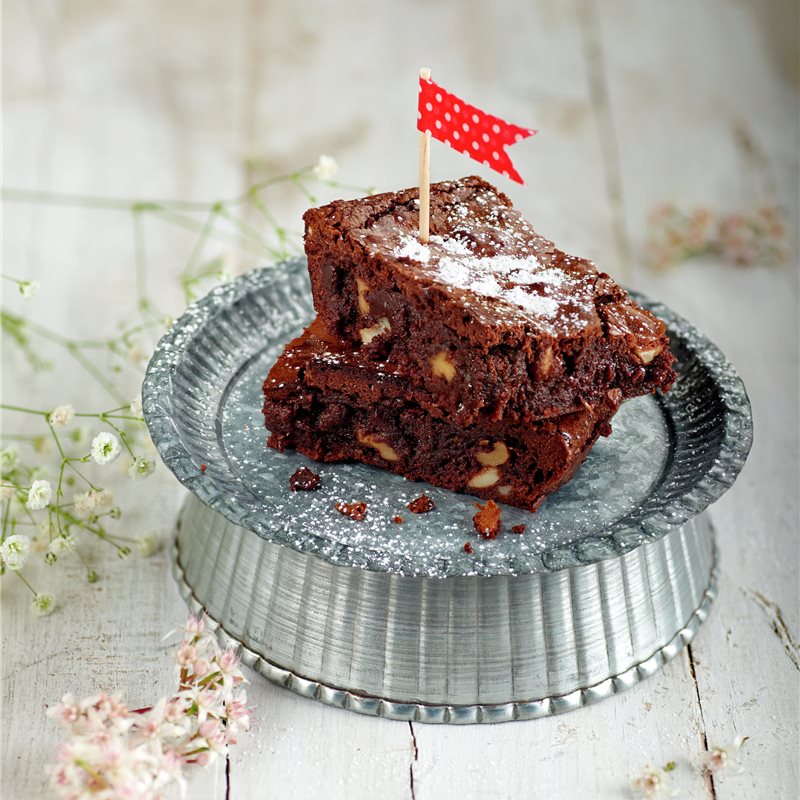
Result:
pixel 27 438
pixel 121 338
pixel 22 578
pixel 6 510
pixel 122 435
pixel 96 202
pixel 200 244
pixel 245 229
pixel 84 563
pixel 182 221
pixel 73 348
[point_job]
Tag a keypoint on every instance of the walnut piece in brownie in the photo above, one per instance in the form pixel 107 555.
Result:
pixel 316 380
pixel 421 505
pixel 487 318
pixel 356 511
pixel 487 519
pixel 304 480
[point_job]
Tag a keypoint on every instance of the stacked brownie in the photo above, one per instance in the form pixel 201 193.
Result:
pixel 485 361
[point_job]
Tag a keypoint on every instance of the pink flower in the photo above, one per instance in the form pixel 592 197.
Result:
pixel 66 712
pixel 116 753
pixel 186 655
pixel 213 732
pixel 228 662
pixel 195 626
pixel 201 668
pixel 237 713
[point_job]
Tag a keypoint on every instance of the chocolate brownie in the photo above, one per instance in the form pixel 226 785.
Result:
pixel 327 401
pixel 489 317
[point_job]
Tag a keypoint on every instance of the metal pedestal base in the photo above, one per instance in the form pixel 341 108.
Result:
pixel 458 650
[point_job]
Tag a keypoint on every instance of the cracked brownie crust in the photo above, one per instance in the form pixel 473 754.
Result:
pixel 329 403
pixel 489 319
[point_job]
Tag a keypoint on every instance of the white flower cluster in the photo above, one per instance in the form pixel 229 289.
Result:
pixel 105 448
pixel 14 551
pixel 115 752
pixel 325 168
pixel 141 467
pixel 61 416
pixel 39 495
pixel 92 502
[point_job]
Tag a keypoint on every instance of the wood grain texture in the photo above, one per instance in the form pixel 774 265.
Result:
pixel 638 102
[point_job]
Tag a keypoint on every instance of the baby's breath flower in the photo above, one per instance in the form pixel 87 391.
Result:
pixel 136 407
pixel 28 289
pixel 44 603
pixel 103 499
pixel 61 416
pixel 61 544
pixel 93 501
pixel 325 168
pixel 9 458
pixel 14 550
pixel 141 467
pixel 105 448
pixel 39 495
pixel 147 544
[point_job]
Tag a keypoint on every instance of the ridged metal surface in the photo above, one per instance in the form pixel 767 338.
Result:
pixel 668 458
pixel 458 650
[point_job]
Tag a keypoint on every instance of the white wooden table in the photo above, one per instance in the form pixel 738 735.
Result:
pixel 638 102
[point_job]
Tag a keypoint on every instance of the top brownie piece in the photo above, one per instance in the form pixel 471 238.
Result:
pixel 489 317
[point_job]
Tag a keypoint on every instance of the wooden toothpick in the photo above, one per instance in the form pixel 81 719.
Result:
pixel 424 175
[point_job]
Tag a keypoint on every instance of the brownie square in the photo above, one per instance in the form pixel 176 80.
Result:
pixel 488 319
pixel 324 399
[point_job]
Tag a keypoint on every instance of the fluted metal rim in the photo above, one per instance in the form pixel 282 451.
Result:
pixel 689 491
pixel 453 714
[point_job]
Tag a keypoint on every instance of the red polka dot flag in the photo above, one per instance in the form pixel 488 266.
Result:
pixel 465 128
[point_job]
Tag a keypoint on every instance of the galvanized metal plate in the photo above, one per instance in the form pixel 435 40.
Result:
pixel 668 458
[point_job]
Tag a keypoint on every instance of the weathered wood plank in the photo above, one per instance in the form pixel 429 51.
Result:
pixel 735 149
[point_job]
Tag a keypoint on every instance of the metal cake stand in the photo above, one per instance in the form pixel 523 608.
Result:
pixel 613 577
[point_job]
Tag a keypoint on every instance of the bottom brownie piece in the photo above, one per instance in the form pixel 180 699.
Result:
pixel 328 403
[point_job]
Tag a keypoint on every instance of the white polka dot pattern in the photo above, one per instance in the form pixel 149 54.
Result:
pixel 467 129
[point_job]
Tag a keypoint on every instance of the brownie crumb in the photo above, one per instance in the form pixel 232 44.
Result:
pixel 487 520
pixel 518 528
pixel 422 505
pixel 202 468
pixel 357 511
pixel 605 429
pixel 398 520
pixel 468 548
pixel 304 480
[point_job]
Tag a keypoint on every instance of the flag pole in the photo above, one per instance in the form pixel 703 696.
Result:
pixel 424 175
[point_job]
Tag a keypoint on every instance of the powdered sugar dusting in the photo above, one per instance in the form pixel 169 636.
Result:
pixel 413 249
pixel 499 276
